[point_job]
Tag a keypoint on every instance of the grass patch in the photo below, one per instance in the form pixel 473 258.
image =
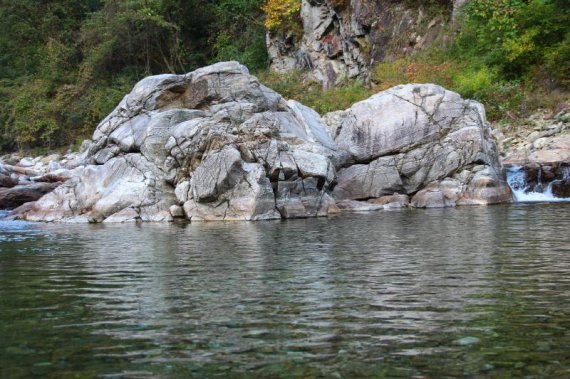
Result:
pixel 294 86
pixel 504 99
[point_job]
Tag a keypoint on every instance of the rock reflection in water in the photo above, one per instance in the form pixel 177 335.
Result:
pixel 435 292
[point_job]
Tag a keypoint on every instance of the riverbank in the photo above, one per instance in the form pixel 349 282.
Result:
pixel 216 144
pixel 24 180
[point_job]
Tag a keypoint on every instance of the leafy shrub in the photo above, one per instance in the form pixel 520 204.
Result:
pixel 432 66
pixel 557 61
pixel 470 80
pixel 505 51
pixel 281 14
pixel 475 83
pixel 33 119
pixel 515 36
pixel 238 33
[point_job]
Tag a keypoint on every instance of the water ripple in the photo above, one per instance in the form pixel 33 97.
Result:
pixel 480 292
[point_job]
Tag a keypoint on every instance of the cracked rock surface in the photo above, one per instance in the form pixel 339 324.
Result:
pixel 343 39
pixel 412 137
pixel 215 144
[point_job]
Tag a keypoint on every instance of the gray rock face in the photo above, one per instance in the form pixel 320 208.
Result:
pixel 342 39
pixel 218 172
pixel 125 183
pixel 403 117
pixel 406 138
pixel 251 198
pixel 215 144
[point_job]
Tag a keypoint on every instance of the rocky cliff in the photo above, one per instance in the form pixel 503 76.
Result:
pixel 343 39
pixel 215 144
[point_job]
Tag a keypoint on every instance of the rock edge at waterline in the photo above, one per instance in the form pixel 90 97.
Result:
pixel 215 144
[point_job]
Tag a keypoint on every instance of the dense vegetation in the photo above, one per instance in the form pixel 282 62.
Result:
pixel 512 55
pixel 66 63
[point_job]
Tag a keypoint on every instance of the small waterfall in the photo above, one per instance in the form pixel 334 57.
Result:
pixel 523 192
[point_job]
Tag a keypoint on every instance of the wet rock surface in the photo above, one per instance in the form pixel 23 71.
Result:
pixel 561 188
pixel 14 197
pixel 541 149
pixel 215 144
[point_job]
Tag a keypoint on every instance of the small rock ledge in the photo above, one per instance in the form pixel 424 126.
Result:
pixel 215 144
pixel 543 153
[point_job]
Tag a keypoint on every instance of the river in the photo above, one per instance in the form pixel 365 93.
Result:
pixel 440 293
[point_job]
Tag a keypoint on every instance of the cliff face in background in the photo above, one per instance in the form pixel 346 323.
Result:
pixel 343 39
pixel 59 79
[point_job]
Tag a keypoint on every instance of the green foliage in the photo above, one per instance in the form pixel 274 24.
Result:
pixel 474 83
pixel 506 50
pixel 281 14
pixel 557 61
pixel 516 36
pixel 34 121
pixel 471 80
pixel 239 33
pixel 143 34
pixel 65 64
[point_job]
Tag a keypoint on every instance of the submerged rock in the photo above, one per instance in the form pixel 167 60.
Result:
pixel 392 201
pixel 215 144
pixel 358 206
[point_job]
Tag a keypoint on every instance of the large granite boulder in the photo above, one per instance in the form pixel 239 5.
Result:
pixel 414 136
pixel 215 144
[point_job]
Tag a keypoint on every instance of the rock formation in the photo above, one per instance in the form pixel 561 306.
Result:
pixel 422 140
pixel 343 39
pixel 542 150
pixel 27 180
pixel 215 144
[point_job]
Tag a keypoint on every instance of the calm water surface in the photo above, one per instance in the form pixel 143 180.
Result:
pixel 468 292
